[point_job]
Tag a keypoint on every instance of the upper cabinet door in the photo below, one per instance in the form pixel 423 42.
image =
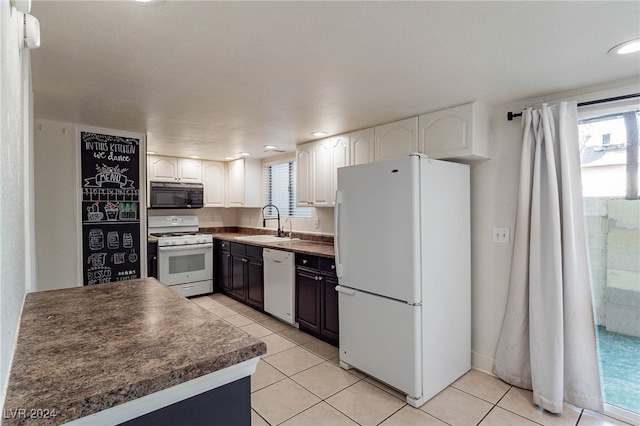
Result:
pixel 213 174
pixel 303 172
pixel 362 147
pixel 460 132
pixel 321 172
pixel 163 169
pixel 189 170
pixel 236 183
pixel 340 156
pixel 396 139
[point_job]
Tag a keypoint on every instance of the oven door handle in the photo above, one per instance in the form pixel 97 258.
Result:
pixel 167 249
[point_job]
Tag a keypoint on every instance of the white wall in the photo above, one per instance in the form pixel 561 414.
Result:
pixel 15 175
pixel 55 197
pixel 494 190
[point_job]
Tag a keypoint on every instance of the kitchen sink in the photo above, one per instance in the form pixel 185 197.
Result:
pixel 264 238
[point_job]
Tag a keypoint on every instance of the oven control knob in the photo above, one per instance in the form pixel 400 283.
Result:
pixel 173 242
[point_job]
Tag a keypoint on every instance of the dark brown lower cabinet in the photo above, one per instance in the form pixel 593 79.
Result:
pixel 316 297
pixel 240 272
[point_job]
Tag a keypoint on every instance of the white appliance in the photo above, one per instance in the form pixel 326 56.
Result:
pixel 402 245
pixel 279 284
pixel 185 256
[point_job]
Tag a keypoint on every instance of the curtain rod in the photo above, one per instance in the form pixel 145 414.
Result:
pixel 512 115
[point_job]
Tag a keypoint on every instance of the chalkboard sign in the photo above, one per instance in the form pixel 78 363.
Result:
pixel 110 207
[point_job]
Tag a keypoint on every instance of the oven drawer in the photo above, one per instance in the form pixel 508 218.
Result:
pixel 193 289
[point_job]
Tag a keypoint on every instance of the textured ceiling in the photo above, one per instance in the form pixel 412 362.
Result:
pixel 216 78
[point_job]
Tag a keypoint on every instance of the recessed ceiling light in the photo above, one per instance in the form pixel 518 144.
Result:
pixel 625 48
pixel 244 154
pixel 193 156
pixel 270 146
pixel 318 134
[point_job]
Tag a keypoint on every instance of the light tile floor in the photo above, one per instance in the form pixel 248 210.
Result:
pixel 299 382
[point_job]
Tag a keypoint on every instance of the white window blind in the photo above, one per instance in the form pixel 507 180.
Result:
pixel 280 190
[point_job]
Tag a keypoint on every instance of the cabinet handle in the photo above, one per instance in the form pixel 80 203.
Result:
pixel 304 261
pixel 244 260
pixel 333 266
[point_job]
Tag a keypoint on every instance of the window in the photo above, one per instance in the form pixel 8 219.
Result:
pixel 280 190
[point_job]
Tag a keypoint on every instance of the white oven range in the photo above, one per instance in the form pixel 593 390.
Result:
pixel 185 256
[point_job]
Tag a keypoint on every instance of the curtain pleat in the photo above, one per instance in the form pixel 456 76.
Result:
pixel 547 342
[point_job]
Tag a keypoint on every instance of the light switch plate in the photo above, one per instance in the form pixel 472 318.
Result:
pixel 501 235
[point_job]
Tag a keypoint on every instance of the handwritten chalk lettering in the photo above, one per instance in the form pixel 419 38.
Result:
pixel 99 276
pixel 123 158
pixel 122 148
pixel 100 155
pixel 96 146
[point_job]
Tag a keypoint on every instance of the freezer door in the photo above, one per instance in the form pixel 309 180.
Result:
pixel 381 337
pixel 377 228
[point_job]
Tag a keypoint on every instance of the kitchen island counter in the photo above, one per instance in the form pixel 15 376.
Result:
pixel 83 350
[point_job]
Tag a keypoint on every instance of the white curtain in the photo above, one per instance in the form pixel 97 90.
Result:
pixel 547 343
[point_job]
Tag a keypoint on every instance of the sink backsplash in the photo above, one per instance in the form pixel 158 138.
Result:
pixel 319 238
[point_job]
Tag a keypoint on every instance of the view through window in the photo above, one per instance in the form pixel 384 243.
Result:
pixel 609 161
pixel 280 190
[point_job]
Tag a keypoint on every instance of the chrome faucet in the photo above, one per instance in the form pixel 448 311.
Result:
pixel 264 219
pixel 288 219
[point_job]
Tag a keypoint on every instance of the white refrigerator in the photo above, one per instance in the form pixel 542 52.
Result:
pixel 402 246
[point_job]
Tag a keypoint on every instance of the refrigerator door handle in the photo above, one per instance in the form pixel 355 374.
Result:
pixel 345 290
pixel 336 230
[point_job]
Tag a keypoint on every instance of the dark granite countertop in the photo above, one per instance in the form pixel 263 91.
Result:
pixel 82 350
pixel 317 248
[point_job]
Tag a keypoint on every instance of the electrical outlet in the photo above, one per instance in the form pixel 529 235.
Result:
pixel 501 235
pixel 317 223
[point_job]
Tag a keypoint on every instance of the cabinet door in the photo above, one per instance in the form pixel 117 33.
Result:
pixel 339 158
pixel 460 132
pixel 330 308
pixel 224 272
pixel 303 182
pixel 189 170
pixel 396 139
pixel 237 277
pixel 362 147
pixel 321 172
pixel 307 300
pixel 163 169
pixel 255 283
pixel 236 183
pixel 213 175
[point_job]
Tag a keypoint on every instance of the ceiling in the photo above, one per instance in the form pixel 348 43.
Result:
pixel 216 78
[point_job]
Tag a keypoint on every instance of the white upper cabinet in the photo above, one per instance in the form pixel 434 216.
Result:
pixel 214 180
pixel 396 139
pixel 171 169
pixel 315 173
pixel 303 172
pixel 244 184
pixel 340 157
pixel 321 172
pixel 461 132
pixel 362 145
pixel 189 170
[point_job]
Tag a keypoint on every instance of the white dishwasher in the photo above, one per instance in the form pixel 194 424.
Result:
pixel 279 284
